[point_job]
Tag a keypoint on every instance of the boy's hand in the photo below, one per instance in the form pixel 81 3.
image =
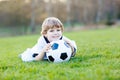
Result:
pixel 69 43
pixel 47 47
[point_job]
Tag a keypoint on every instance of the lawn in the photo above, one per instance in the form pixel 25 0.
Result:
pixel 97 58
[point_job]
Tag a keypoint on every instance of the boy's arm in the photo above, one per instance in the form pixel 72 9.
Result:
pixel 72 45
pixel 42 53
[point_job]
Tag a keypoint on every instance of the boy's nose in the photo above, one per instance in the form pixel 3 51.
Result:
pixel 55 32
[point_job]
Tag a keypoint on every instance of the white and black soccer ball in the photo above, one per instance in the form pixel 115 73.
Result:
pixel 60 51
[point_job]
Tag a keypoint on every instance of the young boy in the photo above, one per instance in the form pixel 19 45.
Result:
pixel 52 29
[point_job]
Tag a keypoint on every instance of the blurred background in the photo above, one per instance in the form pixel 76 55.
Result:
pixel 23 17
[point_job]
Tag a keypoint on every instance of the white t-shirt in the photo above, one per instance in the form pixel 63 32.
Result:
pixel 30 53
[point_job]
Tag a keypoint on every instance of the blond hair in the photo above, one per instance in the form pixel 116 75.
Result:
pixel 50 23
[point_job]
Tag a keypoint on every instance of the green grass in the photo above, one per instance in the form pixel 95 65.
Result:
pixel 97 58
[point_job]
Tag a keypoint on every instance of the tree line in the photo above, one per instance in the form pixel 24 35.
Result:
pixel 70 12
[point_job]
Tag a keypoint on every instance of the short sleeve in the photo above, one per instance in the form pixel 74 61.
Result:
pixel 39 45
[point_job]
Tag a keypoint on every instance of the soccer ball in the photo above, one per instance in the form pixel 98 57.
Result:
pixel 60 51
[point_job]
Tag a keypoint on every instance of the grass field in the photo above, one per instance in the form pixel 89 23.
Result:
pixel 97 58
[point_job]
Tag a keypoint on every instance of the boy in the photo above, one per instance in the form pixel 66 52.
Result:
pixel 52 29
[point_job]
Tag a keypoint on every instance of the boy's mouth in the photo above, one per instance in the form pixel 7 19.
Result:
pixel 55 36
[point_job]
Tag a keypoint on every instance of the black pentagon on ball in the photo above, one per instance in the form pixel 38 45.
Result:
pixel 51 58
pixel 55 46
pixel 63 56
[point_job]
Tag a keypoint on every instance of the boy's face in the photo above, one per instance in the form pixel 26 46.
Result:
pixel 54 34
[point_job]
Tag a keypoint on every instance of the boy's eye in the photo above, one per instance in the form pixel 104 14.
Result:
pixel 58 30
pixel 51 30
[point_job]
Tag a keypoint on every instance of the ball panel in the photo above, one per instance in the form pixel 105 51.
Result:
pixel 63 56
pixel 51 58
pixel 54 46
